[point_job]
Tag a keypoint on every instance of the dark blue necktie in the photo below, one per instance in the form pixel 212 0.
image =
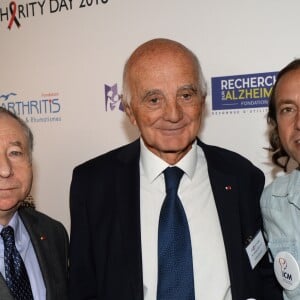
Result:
pixel 15 272
pixel 175 264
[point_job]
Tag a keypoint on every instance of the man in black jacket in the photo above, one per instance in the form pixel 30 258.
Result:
pixel 117 197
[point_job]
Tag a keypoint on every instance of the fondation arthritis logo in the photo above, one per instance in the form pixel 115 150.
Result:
pixel 42 109
pixel 13 13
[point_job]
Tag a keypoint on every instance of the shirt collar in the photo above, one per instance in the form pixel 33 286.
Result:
pixel 153 165
pixel 293 188
pixel 14 223
pixel 22 239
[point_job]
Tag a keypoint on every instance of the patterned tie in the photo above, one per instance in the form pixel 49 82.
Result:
pixel 175 264
pixel 15 272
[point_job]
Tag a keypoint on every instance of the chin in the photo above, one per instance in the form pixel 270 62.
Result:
pixel 177 143
pixel 175 148
pixel 7 205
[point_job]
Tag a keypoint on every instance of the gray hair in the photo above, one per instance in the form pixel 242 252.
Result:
pixel 23 124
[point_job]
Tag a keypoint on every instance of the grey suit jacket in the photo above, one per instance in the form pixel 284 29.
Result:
pixel 51 251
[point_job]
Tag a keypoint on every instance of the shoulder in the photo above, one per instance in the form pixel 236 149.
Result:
pixel 227 160
pixel 280 188
pixel 122 154
pixel 32 217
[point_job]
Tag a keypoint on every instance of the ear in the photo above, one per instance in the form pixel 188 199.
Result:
pixel 203 107
pixel 129 113
pixel 203 99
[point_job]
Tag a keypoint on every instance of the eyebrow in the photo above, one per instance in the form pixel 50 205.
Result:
pixel 158 91
pixel 16 143
pixel 151 92
pixel 188 87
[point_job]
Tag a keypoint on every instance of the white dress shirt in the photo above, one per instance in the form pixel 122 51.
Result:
pixel 211 277
pixel 25 248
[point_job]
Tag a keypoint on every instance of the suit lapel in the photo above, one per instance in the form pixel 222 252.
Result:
pixel 128 195
pixel 225 190
pixel 226 194
pixel 4 291
pixel 41 247
pixel 33 228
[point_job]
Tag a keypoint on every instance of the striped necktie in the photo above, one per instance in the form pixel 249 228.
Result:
pixel 15 272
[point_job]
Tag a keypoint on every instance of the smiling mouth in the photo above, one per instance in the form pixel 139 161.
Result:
pixel 172 131
pixel 7 189
pixel 179 127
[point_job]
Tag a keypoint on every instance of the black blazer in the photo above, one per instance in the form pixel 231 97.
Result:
pixel 51 251
pixel 105 251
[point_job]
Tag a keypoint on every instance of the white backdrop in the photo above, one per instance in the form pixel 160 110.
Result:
pixel 58 61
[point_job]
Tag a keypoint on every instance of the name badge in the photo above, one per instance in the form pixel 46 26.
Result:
pixel 256 249
pixel 286 270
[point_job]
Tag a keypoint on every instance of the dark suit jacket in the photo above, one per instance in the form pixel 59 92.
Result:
pixel 105 251
pixel 51 251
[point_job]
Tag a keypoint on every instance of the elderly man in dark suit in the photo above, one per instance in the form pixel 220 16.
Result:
pixel 167 217
pixel 33 247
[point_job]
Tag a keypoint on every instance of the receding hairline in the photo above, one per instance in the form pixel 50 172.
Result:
pixel 27 131
pixel 160 46
pixel 157 46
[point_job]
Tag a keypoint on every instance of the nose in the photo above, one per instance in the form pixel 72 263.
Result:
pixel 172 111
pixel 5 167
pixel 297 120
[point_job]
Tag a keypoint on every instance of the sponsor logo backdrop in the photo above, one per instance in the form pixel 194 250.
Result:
pixel 61 70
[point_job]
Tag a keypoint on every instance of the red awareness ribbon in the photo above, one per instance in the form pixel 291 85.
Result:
pixel 13 18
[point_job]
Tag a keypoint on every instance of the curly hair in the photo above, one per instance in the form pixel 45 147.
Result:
pixel 279 155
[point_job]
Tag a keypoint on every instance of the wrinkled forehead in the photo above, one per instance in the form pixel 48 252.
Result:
pixel 162 61
pixel 161 53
